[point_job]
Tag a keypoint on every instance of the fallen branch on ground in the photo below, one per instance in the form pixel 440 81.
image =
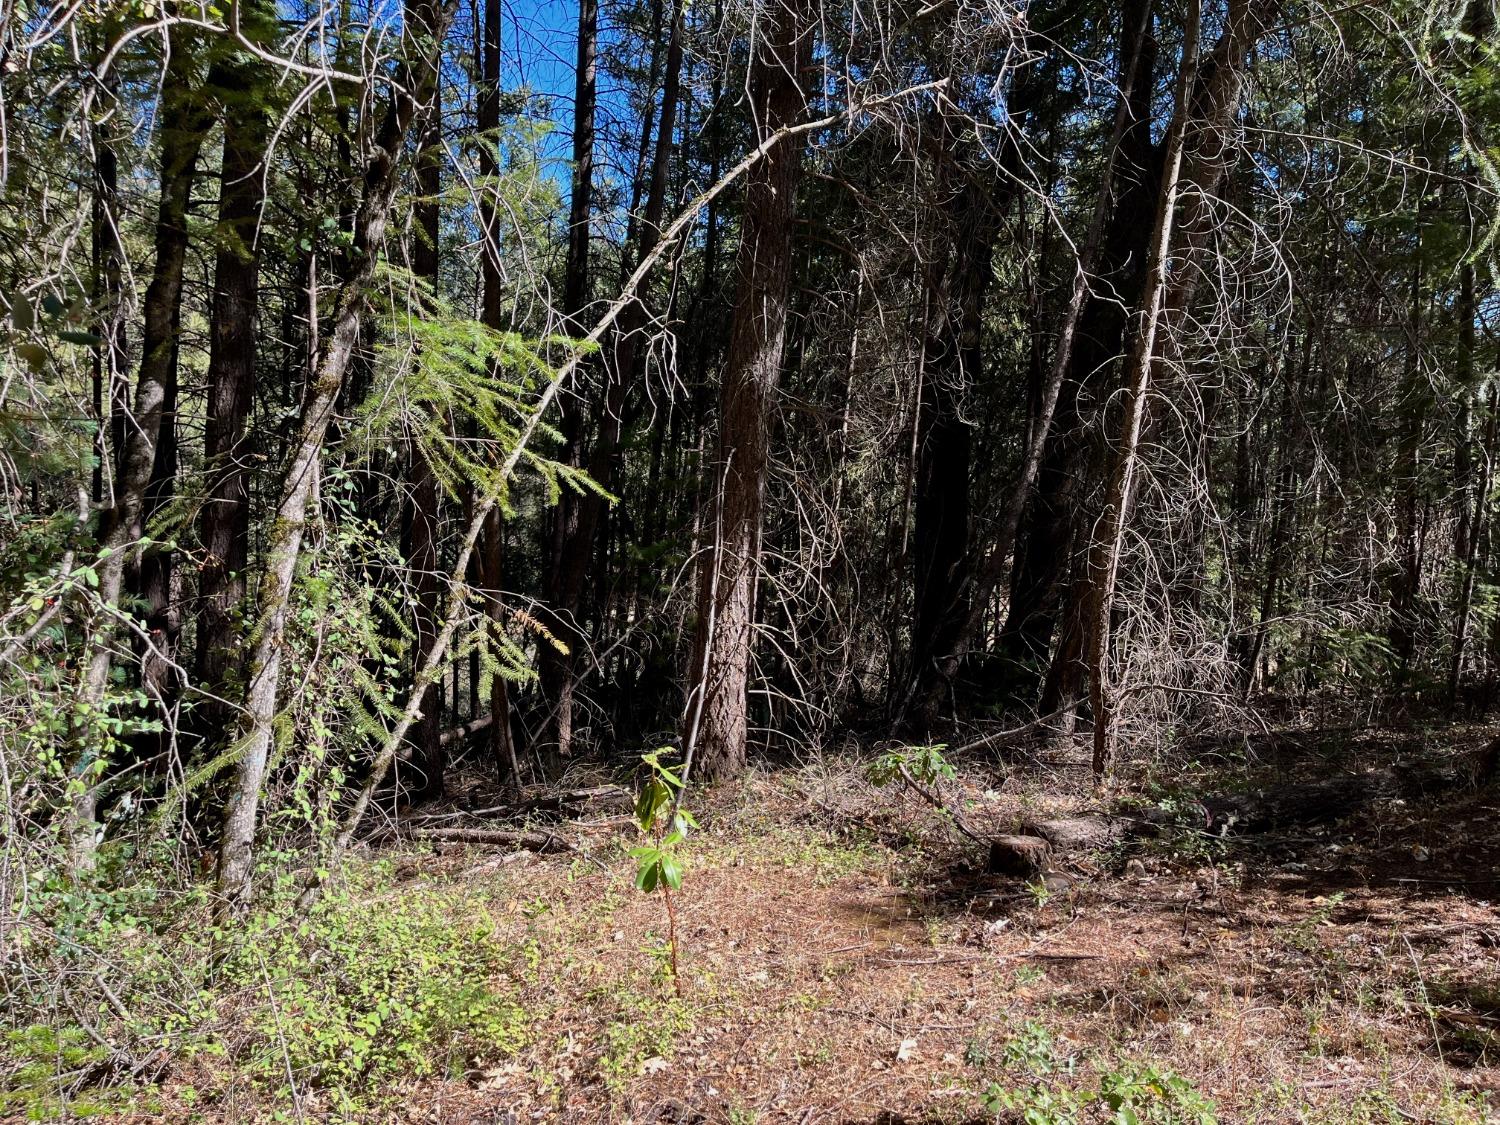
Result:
pixel 573 800
pixel 530 841
pixel 462 733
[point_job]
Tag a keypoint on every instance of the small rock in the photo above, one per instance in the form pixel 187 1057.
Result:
pixel 1056 883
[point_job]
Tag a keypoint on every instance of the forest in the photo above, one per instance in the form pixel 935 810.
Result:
pixel 908 561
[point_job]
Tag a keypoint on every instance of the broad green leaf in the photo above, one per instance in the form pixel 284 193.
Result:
pixel 647 876
pixel 671 871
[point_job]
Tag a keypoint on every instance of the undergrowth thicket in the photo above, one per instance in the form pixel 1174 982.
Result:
pixel 323 1014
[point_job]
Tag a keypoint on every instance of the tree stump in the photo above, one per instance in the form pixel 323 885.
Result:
pixel 1020 856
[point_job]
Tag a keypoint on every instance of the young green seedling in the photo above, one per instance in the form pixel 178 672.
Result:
pixel 665 823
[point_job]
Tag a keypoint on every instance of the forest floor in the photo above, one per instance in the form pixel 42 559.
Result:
pixel 845 959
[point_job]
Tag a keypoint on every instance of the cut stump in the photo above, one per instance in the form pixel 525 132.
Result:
pixel 1019 856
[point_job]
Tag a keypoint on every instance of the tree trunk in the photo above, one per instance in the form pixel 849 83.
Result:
pixel 1132 111
pixel 153 580
pixel 110 356
pixel 1200 151
pixel 1104 554
pixel 1043 574
pixel 502 740
pixel 425 498
pixel 1473 495
pixel 554 666
pixel 717 721
pixel 492 312
pixel 224 527
pixel 423 33
pixel 1406 576
pixel 184 122
pixel 639 175
pixel 942 579
pixel 622 370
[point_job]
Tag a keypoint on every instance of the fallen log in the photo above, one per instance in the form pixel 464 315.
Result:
pixel 1081 833
pixel 528 841
pixel 573 801
pixel 461 733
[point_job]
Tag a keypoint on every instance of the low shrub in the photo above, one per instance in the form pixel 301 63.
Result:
pixel 327 1009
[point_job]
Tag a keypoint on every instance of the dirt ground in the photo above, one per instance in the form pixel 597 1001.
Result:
pixel 845 959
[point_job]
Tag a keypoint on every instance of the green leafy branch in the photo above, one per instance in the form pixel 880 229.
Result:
pixel 923 770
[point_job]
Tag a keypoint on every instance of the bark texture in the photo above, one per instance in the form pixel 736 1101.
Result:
pixel 224 527
pixel 138 459
pixel 719 673
pixel 943 579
